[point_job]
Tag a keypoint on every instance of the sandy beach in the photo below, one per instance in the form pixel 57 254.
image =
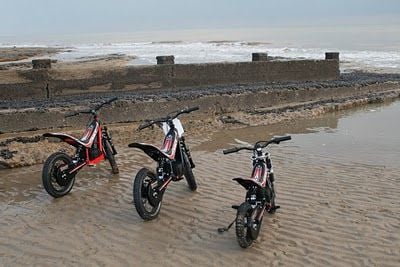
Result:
pixel 335 211
pixel 339 205
pixel 327 73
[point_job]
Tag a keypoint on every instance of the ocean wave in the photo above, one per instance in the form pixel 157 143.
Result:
pixel 144 53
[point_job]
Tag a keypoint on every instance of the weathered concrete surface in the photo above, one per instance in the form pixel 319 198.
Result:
pixel 165 60
pixel 23 122
pixel 260 57
pixel 28 148
pixel 41 64
pixel 43 83
pixel 332 55
pixel 135 106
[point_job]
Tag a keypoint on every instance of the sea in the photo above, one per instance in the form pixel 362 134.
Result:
pixel 363 53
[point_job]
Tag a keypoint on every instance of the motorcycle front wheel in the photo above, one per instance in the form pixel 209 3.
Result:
pixel 145 197
pixel 110 156
pixel 188 173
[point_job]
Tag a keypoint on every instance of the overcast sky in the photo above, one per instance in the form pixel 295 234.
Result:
pixel 57 17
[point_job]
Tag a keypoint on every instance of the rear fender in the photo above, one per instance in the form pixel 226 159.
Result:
pixel 63 137
pixel 152 151
pixel 247 182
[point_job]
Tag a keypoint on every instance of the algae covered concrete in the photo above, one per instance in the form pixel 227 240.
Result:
pixel 49 82
pixel 23 122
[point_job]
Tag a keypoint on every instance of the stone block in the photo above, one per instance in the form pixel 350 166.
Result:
pixel 259 57
pixel 41 64
pixel 163 60
pixel 332 55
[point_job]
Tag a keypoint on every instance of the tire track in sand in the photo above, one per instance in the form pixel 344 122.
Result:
pixel 333 212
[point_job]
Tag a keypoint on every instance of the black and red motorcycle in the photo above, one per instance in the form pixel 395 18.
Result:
pixel 173 163
pixel 60 169
pixel 260 196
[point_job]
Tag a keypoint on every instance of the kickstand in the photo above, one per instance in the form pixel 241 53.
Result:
pixel 273 209
pixel 225 229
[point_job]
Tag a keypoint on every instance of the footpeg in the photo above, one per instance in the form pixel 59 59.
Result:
pixel 235 207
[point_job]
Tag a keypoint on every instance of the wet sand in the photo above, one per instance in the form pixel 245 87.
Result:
pixel 13 54
pixel 20 58
pixel 337 208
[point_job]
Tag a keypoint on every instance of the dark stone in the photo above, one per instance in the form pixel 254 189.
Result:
pixel 229 119
pixel 41 63
pixel 163 60
pixel 332 55
pixel 4 165
pixel 7 154
pixel 259 57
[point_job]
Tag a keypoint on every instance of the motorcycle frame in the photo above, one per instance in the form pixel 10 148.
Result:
pixel 253 185
pixel 165 178
pixel 82 154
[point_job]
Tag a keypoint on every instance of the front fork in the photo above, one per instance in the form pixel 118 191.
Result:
pixel 186 149
pixel 107 136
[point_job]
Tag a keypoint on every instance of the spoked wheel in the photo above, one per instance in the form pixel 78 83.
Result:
pixel 110 156
pixel 246 231
pixel 188 172
pixel 147 201
pixel 56 179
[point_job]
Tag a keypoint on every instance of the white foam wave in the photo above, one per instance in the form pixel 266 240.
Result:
pixel 225 51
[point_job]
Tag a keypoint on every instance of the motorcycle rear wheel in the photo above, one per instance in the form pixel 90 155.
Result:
pixel 243 231
pixel 147 205
pixel 56 182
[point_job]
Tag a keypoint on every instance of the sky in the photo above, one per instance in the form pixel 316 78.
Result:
pixel 28 18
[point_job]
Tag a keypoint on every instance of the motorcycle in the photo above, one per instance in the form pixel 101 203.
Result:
pixel 60 169
pixel 260 195
pixel 173 162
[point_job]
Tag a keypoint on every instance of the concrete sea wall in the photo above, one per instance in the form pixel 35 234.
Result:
pixel 45 82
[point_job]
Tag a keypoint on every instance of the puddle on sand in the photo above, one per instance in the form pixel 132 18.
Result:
pixel 366 135
pixel 325 193
pixel 369 134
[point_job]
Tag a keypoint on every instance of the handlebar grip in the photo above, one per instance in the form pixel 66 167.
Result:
pixel 191 109
pixel 230 150
pixel 111 100
pixel 71 115
pixel 145 125
pixel 281 139
pixel 105 103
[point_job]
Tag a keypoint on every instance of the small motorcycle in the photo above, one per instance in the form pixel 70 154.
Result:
pixel 60 169
pixel 260 196
pixel 173 162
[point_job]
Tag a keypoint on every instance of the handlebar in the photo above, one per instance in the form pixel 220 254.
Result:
pixel 92 111
pixel 168 118
pixel 105 103
pixel 146 124
pixel 77 113
pixel 275 140
pixel 188 110
pixel 230 150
